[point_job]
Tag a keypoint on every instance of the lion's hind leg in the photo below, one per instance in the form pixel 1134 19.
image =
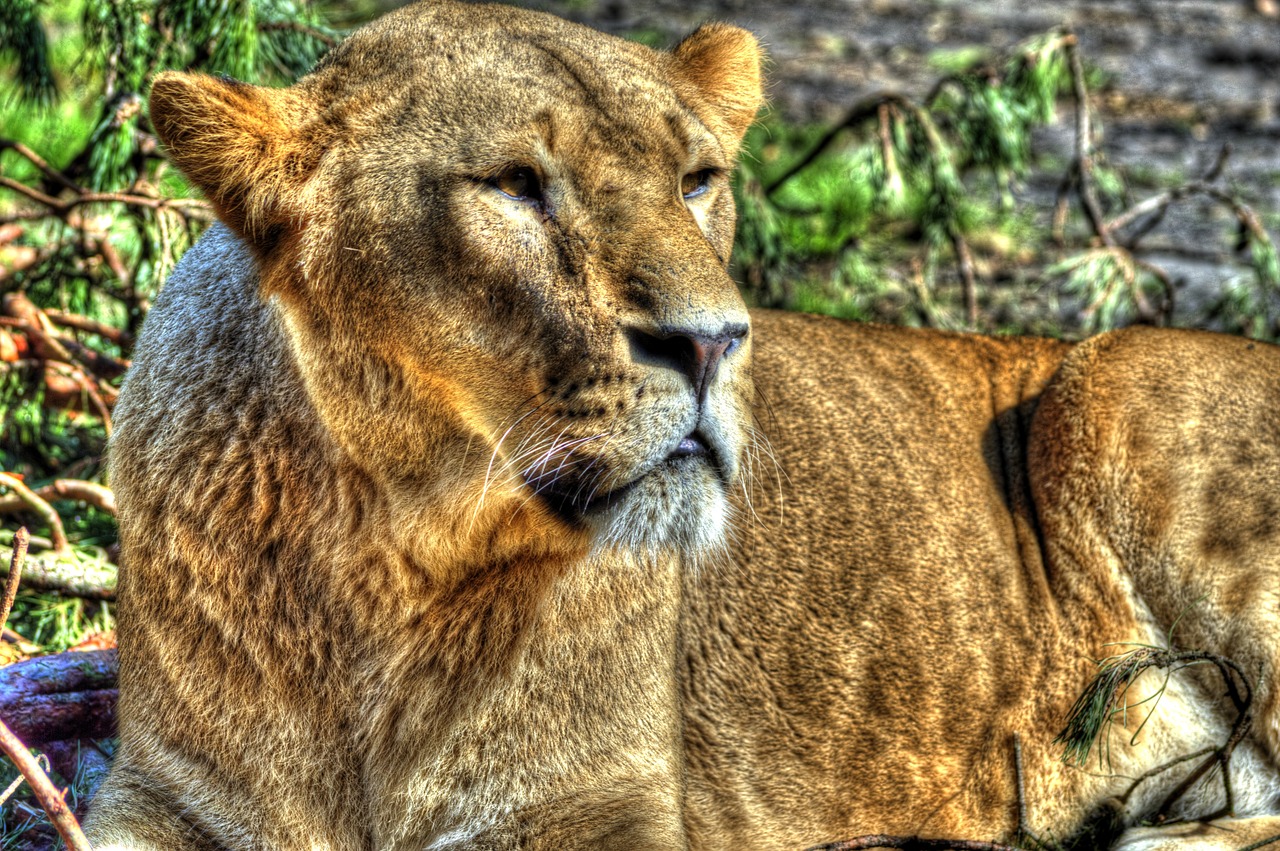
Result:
pixel 1220 835
pixel 1155 462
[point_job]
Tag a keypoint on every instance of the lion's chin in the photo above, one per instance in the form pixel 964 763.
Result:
pixel 679 507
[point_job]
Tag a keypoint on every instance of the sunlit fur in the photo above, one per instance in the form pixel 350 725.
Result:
pixel 401 451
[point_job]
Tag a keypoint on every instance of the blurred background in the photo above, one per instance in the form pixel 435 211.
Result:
pixel 1054 168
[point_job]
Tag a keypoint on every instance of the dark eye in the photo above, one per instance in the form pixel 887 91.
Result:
pixel 518 182
pixel 696 182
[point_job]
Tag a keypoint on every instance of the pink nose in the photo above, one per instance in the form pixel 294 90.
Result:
pixel 694 352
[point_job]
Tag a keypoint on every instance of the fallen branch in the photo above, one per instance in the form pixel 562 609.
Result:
pixel 53 802
pixel 40 507
pixel 96 495
pixel 50 798
pixel 55 349
pixel 24 316
pixel 68 573
pixel 68 695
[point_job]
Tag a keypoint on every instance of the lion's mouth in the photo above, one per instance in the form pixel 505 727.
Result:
pixel 575 499
pixel 691 445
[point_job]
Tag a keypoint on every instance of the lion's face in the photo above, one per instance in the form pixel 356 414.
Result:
pixel 504 254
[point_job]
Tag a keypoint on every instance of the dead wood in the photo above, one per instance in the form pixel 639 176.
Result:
pixel 67 573
pixel 41 507
pixel 68 695
pixel 20 540
pixel 50 798
pixel 23 315
pixel 53 801
pixel 99 496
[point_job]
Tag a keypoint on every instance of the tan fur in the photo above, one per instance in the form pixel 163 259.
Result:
pixel 411 560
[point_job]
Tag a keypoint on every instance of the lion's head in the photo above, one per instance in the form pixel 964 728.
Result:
pixel 498 241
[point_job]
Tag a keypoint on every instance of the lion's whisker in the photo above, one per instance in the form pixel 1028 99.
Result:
pixel 484 490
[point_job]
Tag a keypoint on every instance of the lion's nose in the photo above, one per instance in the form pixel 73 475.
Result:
pixel 694 352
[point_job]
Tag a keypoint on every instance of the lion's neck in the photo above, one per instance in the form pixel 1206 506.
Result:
pixel 528 684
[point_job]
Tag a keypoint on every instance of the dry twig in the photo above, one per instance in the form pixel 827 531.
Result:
pixel 50 799
pixel 56 206
pixel 20 541
pixel 96 495
pixel 40 507
pixel 1081 173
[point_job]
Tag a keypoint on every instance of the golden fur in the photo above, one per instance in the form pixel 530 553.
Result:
pixel 461 509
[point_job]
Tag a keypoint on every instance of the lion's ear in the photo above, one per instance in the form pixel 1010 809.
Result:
pixel 243 145
pixel 718 66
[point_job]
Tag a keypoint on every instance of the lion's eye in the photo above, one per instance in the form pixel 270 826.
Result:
pixel 696 182
pixel 519 183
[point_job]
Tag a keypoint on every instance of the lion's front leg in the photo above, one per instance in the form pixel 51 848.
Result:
pixel 128 815
pixel 635 819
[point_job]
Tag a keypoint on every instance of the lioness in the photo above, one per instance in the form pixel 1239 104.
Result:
pixel 464 505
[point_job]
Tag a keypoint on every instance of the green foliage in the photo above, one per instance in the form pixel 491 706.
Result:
pixel 23 41
pixel 1109 283
pixel 97 135
pixel 926 195
pixel 128 41
pixel 1250 304
pixel 81 72
pixel 57 623
pixel 40 442
pixel 887 196
pixel 1102 702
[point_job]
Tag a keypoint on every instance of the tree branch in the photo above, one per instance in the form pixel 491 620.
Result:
pixel 50 799
pixel 1082 167
pixel 20 541
pixel 40 507
pixel 90 579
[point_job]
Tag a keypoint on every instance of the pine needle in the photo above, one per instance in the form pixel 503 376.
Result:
pixel 1096 708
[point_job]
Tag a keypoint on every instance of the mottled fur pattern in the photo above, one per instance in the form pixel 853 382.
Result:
pixel 458 517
